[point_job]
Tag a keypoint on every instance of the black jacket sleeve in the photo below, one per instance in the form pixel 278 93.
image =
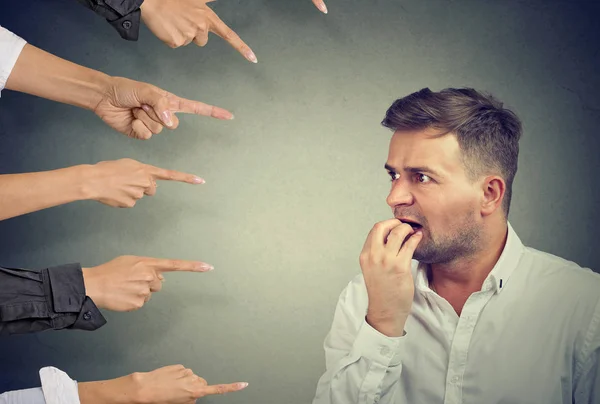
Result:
pixel 123 15
pixel 53 298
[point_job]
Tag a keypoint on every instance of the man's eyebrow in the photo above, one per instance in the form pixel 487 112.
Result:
pixel 414 170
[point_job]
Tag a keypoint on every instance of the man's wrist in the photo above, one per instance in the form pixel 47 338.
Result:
pixel 390 327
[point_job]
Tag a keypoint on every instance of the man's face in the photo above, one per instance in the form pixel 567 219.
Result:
pixel 430 187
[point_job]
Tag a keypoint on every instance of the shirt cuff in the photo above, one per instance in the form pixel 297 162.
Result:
pixel 379 348
pixel 11 46
pixel 67 288
pixel 124 7
pixel 90 318
pixel 58 387
pixel 128 26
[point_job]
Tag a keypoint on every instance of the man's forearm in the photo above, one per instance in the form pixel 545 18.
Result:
pixel 40 73
pixel 25 193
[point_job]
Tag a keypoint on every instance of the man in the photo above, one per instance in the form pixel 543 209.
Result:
pixel 450 306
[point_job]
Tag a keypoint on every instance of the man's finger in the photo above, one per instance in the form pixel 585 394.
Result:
pixel 172 175
pixel 178 104
pixel 221 389
pixel 169 265
pixel 396 238
pixel 409 247
pixel 320 5
pixel 378 235
pixel 222 30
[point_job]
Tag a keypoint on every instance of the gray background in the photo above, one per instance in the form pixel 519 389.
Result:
pixel 296 181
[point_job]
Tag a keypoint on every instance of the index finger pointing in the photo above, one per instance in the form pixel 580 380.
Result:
pixel 221 388
pixel 222 30
pixel 172 175
pixel 178 104
pixel 169 265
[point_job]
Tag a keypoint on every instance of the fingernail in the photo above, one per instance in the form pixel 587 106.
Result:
pixel 198 180
pixel 243 385
pixel 323 8
pixel 145 107
pixel 162 278
pixel 167 118
pixel 204 267
pixel 251 56
pixel 231 117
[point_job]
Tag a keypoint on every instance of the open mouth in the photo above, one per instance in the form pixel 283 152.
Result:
pixel 414 225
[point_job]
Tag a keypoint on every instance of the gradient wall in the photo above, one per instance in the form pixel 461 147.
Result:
pixel 296 181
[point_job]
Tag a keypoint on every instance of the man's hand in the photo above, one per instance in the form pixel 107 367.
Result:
pixel 386 265
pixel 127 282
pixel 320 5
pixel 140 110
pixel 180 22
pixel 167 385
pixel 120 183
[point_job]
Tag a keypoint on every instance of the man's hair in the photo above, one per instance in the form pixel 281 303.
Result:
pixel 487 133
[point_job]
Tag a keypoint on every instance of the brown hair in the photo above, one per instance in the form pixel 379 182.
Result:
pixel 487 133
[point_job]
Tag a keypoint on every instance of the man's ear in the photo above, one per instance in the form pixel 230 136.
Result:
pixel 493 189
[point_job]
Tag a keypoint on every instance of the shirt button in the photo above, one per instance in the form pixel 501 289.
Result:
pixel 385 351
pixel 87 315
pixel 126 24
pixel 376 398
pixel 455 379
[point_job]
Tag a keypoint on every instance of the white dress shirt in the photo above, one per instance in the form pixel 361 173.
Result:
pixel 57 388
pixel 10 48
pixel 530 336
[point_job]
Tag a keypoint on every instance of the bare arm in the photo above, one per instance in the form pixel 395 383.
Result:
pixel 25 193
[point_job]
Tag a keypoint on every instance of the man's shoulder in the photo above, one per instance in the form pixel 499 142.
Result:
pixel 544 263
pixel 551 272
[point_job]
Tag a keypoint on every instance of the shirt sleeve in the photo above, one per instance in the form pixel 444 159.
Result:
pixel 363 366
pixel 123 15
pixel 11 46
pixel 53 298
pixel 57 388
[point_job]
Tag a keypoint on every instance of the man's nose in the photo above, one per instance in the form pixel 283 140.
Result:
pixel 399 194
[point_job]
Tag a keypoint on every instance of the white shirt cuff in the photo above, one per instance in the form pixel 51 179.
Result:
pixel 11 46
pixel 58 387
pixel 371 344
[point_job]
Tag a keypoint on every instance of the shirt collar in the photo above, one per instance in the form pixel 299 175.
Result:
pixel 498 276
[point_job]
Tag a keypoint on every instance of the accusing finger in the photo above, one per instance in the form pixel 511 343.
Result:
pixel 320 5
pixel 171 265
pixel 172 175
pixel 222 30
pixel 178 104
pixel 221 388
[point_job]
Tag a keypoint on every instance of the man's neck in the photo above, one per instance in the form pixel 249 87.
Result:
pixel 458 279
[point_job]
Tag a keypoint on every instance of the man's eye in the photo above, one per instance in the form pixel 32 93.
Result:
pixel 423 178
pixel 393 175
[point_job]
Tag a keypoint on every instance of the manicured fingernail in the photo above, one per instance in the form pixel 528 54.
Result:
pixel 204 266
pixel 242 385
pixel 167 118
pixel 323 8
pixel 198 180
pixel 251 56
pixel 145 107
